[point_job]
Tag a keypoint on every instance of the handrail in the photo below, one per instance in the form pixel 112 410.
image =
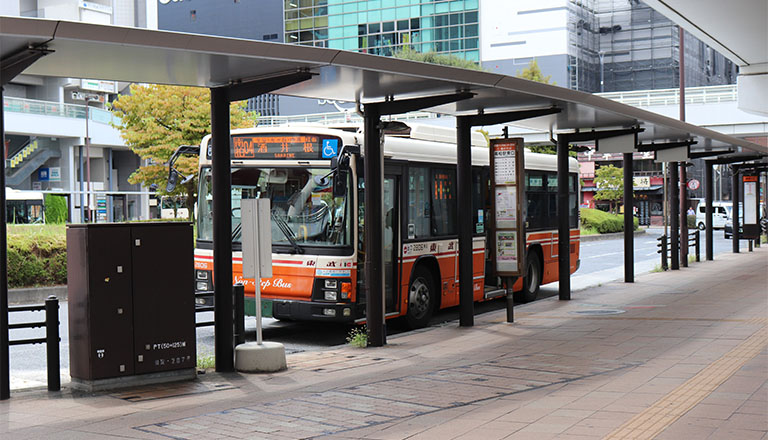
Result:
pixel 64 110
pixel 693 95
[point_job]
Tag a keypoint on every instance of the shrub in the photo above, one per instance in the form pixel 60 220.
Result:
pixel 691 221
pixel 55 209
pixel 36 259
pixel 604 222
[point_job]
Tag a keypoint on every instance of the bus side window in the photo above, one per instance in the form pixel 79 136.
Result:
pixel 444 201
pixel 419 210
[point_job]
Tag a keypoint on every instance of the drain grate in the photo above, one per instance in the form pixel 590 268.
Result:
pixel 597 312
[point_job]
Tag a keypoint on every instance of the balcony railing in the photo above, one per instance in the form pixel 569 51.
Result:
pixel 693 95
pixel 49 108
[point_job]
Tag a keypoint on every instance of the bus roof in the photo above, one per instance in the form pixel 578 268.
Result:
pixel 16 194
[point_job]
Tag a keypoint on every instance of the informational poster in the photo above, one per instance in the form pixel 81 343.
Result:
pixel 507 187
pixel 506 207
pixel 506 251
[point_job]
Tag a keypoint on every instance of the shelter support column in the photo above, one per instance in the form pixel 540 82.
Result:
pixel 222 231
pixel 563 229
pixel 374 228
pixel 683 214
pixel 5 364
pixel 464 201
pixel 674 216
pixel 708 192
pixel 629 226
pixel 736 197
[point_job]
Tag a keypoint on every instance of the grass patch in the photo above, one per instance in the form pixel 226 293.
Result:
pixel 657 268
pixel 358 337
pixel 588 231
pixel 206 361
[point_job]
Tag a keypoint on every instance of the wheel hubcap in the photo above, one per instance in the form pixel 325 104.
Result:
pixel 419 298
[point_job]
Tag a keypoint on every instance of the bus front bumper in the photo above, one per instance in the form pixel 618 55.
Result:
pixel 313 311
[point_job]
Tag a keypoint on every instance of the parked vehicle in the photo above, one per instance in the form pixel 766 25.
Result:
pixel 721 211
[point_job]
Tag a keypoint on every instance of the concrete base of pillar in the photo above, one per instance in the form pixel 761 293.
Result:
pixel 254 358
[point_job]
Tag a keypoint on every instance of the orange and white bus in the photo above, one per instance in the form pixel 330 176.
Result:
pixel 318 249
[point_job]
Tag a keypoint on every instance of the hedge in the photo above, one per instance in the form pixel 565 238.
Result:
pixel 36 258
pixel 55 209
pixel 604 222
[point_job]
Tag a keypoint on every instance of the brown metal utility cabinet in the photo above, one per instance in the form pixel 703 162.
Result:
pixel 131 303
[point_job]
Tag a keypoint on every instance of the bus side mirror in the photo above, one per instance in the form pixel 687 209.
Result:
pixel 173 179
pixel 340 178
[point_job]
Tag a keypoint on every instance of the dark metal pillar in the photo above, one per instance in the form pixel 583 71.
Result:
pixel 629 225
pixel 374 228
pixel 222 231
pixel 563 229
pixel 683 214
pixel 708 196
pixel 5 364
pixel 736 197
pixel 82 183
pixel 464 200
pixel 674 216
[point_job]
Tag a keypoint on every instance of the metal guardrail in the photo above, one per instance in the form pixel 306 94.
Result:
pixel 51 339
pixel 50 108
pixel 694 241
pixel 333 118
pixel 693 95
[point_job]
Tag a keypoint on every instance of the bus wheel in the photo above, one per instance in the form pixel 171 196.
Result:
pixel 421 299
pixel 531 281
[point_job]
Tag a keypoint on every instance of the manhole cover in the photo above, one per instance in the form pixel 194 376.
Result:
pixel 597 312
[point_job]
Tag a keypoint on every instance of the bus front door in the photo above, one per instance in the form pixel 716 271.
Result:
pixel 391 240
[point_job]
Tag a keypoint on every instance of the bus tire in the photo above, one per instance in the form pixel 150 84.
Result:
pixel 421 299
pixel 531 280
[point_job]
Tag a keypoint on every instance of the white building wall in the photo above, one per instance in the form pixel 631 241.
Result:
pixel 516 29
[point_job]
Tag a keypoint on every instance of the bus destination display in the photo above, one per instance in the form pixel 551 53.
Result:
pixel 276 147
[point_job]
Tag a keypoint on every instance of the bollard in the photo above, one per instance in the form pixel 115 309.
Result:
pixel 664 251
pixel 238 290
pixel 698 245
pixel 52 342
pixel 511 300
pixel 750 245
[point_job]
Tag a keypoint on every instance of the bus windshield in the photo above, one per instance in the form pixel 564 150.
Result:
pixel 304 211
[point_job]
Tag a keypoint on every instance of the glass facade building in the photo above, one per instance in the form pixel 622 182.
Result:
pixel 382 27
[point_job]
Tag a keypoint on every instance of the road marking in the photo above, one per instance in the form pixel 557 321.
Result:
pixel 667 410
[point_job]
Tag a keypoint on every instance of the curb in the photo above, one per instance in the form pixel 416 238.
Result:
pixel 35 295
pixel 613 236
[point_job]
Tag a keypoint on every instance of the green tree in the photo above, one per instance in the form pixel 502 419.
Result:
pixel 157 119
pixel 408 53
pixel 533 73
pixel 609 181
pixel 547 149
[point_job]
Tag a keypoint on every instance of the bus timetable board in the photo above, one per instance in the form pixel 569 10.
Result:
pixel 751 225
pixel 281 146
pixel 507 185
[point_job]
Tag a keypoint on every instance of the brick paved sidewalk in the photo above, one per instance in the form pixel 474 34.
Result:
pixel 675 355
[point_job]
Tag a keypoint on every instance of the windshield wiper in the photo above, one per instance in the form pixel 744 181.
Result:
pixel 286 230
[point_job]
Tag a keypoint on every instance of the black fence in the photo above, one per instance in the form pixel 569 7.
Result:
pixel 51 339
pixel 694 241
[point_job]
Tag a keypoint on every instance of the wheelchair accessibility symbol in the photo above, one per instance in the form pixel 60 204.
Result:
pixel 330 148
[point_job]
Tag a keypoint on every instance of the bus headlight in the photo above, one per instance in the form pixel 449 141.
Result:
pixel 202 285
pixel 331 284
pixel 330 295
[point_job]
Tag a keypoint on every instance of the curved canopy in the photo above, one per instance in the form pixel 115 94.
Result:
pixel 82 50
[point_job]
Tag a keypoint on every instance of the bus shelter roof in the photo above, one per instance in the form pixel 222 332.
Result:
pixel 82 50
